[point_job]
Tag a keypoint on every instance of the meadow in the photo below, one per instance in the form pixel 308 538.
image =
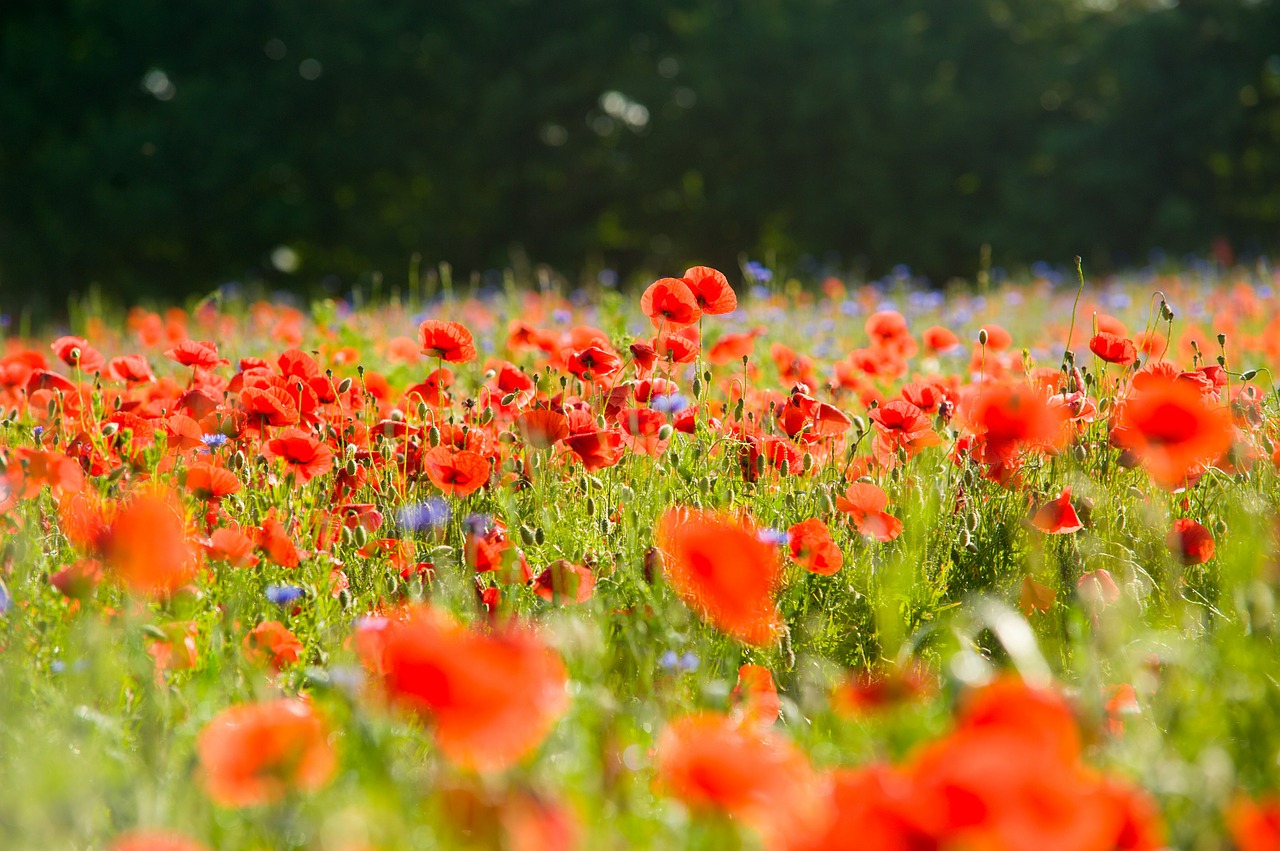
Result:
pixel 727 561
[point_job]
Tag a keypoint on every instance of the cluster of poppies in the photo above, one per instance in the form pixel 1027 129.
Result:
pixel 166 469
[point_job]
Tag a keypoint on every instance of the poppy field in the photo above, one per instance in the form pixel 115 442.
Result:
pixel 730 561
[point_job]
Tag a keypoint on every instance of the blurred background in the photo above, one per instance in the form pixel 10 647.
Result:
pixel 160 149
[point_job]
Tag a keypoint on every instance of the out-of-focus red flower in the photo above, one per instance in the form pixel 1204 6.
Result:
pixel 154 840
pixel 811 546
pixel 1190 541
pixel 1255 824
pixel 270 643
pixel 1058 516
pixel 755 698
pixel 448 341
pixel 865 503
pixel 258 752
pixel 147 546
pixel 562 581
pixel 1171 427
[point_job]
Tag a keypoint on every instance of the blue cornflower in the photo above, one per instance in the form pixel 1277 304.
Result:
pixel 670 660
pixel 689 662
pixel 561 315
pixel 213 441
pixel 759 271
pixel 608 278
pixel 432 514
pixel 775 537
pixel 478 524
pixel 669 403
pixel 5 600
pixel 283 595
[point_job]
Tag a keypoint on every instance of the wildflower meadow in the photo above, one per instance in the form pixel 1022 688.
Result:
pixel 732 560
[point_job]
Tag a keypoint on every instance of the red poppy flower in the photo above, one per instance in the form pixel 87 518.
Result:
pixel 256 753
pixel 457 473
pixel 76 351
pixel 147 546
pixel 305 456
pixel 813 549
pixel 492 697
pixel 642 426
pixel 669 303
pixel 448 341
pixel 231 545
pixel 1255 825
pixel 712 764
pixel 1035 596
pixel 210 482
pixel 1058 516
pixel 939 339
pixel 868 691
pixel 1097 589
pixel 269 406
pixel 542 428
pixel 1168 424
pixel 866 504
pixel 711 290
pixel 597 449
pixel 1190 542
pixel 733 348
pixel 723 570
pixel 998 339
pixel 154 840
pixel 901 427
pixel 274 540
pixel 679 346
pixel 270 643
pixel 176 651
pixel 1113 348
pixel 755 698
pixel 565 582
pixel 30 470
pixel 1014 417
pixel 131 368
pixel 592 363
pixel 196 353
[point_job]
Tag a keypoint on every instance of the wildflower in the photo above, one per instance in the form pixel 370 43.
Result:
pixel 542 428
pixel 1190 541
pixel 865 503
pixel 430 514
pixel 1254 825
pixel 491 698
pixel 146 545
pixel 304 455
pixel 811 547
pixel 669 403
pixel 284 595
pixel 759 272
pixel 448 341
pixel 670 303
pixel 271 643
pixel 256 753
pixel 76 352
pixel 457 473
pixel 1097 589
pixel 755 698
pixel 193 353
pixel 565 582
pixel 210 482
pixel 154 840
pixel 1058 517
pixel 133 369
pixel 721 569
pixel 711 290
pixel 6 602
pixel 1113 348
pixel 1168 424
pixel 213 441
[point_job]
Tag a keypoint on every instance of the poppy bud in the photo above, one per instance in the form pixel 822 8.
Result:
pixel 74 355
pixel 422 410
pixel 345 535
pixel 1222 339
pixel 360 370
pixel 360 537
pixel 433 436
pixel 392 582
pixel 652 564
pixel 539 536
pixel 806 462
pixel 760 465
pixel 982 336
pixel 344 599
pixel 859 426
pixel 109 429
pixel 604 527
pixel 352 467
pixel 1104 404
pixel 417 589
pixel 237 461
pixel 697 387
pixel 674 456
pixel 665 432
pixel 344 386
pixel 486 416
pixel 828 505
pixel 591 506
pixel 1081 454
pixel 1219 527
pixel 965 538
pixel 509 398
pixel 526 535
pixel 387 451
pixel 1249 375
pixel 396 416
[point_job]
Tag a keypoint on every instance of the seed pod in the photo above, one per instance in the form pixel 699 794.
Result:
pixel 971 547
pixel 1219 528
pixel 653 565
pixel 1222 339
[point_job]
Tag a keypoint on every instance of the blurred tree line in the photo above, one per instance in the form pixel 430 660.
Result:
pixel 159 148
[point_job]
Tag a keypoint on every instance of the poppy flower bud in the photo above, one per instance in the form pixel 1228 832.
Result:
pixel 652 564
pixel 1249 375
pixel 1081 455
pixel 422 410
pixel 509 398
pixel 965 538
pixel 346 536
pixel 982 336
pixel 416 588
pixel 396 416
pixel 387 451
pixel 259 460
pixel 1222 339
pixel 674 456
pixel 344 599
pixel 1219 527
pixel 109 429
pixel 74 355
pixel 859 426
pixel 828 505
pixel 539 536
pixel 697 387
pixel 433 436
pixel 604 527
pixel 360 537
pixel 392 582
pixel 344 386
pixel 760 465
pixel 665 432
pixel 526 535
pixel 806 462
pixel 486 416
pixel 971 547
pixel 591 506
pixel 352 467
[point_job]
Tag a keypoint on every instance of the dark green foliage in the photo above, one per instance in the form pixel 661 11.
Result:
pixel 477 133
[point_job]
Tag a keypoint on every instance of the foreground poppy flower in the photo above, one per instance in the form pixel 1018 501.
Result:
pixel 1190 541
pixel 541 428
pixel 154 840
pixel 258 752
pixel 712 764
pixel 711 290
pixel 1014 417
pixel 147 546
pixel 1058 517
pixel 491 698
pixel 811 546
pixel 1171 427
pixel 670 304
pixel 865 503
pixel 1113 348
pixel 458 473
pixel 722 570
pixel 447 341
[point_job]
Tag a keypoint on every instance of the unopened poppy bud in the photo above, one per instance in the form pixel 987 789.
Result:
pixel 539 536
pixel 387 451
pixel 760 465
pixel 396 416
pixel 697 387
pixel 260 460
pixel 591 506
pixel 109 429
pixel 422 410
pixel 509 398
pixel 344 386
pixel 152 631
pixel 1104 404
pixel 828 505
pixel 518 466
pixel 417 589
pixel 971 547
pixel 604 526
pixel 1222 339
pixel 346 536
pixel 674 456
pixel 973 521
pixel 982 336
pixel 859 425
pixel 344 599
pixel 393 584
pixel 433 436
pixel 665 432
pixel 360 537
pixel 806 462
pixel 784 467
pixel 1080 453
pixel 965 538
pixel 52 407
pixel 1249 375
pixel 653 565
pixel 352 467
pixel 486 416
pixel 1219 527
